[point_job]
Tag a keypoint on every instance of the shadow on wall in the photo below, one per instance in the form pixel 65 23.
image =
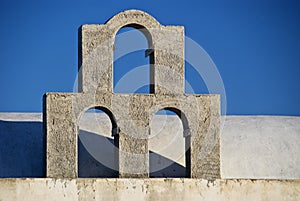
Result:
pixel 96 159
pixel 23 154
pixel 22 149
pixel 95 156
pixel 163 167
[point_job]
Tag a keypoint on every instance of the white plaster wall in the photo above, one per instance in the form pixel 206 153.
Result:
pixel 261 147
pixel 254 147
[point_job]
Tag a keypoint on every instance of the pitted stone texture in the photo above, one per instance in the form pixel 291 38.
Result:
pixel 205 146
pixel 61 135
pixel 131 114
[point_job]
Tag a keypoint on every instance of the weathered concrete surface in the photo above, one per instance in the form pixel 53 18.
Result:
pixel 147 189
pixel 253 147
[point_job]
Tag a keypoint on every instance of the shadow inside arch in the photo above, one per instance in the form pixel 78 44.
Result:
pixel 166 167
pixel 90 166
pixel 163 167
pixel 89 162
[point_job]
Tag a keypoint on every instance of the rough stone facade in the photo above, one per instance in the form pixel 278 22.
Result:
pixel 131 114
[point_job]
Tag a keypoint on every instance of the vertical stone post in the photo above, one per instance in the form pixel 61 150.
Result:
pixel 169 60
pixel 133 157
pixel 205 143
pixel 61 136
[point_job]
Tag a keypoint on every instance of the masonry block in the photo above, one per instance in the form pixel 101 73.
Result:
pixel 131 114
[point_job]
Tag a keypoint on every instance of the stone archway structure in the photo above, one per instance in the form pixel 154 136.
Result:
pixel 132 112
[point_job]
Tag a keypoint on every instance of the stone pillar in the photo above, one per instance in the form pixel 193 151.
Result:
pixel 61 136
pixel 133 157
pixel 132 141
pixel 205 141
pixel 169 60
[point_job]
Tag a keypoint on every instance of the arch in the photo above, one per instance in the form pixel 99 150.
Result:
pixel 186 143
pixel 135 19
pixel 149 52
pixel 142 29
pixel 182 116
pixel 96 146
pixel 115 129
pixel 132 17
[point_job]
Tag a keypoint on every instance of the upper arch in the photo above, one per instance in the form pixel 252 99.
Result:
pixel 143 30
pixel 133 17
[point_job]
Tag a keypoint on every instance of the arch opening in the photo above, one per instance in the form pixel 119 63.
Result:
pixel 133 66
pixel 97 141
pixel 169 144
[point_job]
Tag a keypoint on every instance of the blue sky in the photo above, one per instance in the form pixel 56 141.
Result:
pixel 255 46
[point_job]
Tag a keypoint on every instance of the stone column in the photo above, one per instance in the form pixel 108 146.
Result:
pixel 169 60
pixel 61 136
pixel 133 157
pixel 205 140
